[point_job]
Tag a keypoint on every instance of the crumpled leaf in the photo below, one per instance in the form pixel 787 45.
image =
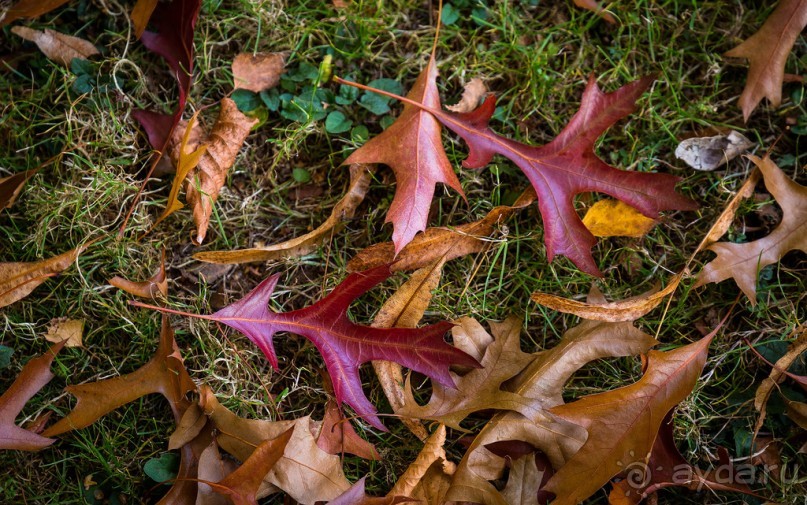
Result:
pixel 258 71
pixel 708 153
pixel 412 148
pixel 157 285
pixel 472 95
pixel 622 424
pixel 337 436
pixel 225 141
pixel 66 330
pixel 480 388
pixel 343 344
pixel 767 52
pixel 58 47
pixel 305 472
pixel 615 218
pixel 356 496
pixel 666 467
pixel 17 280
pixel 436 243
pixel 566 166
pixel 742 262
pixel 30 9
pixel 360 178
pixel 543 380
pixel 11 186
pixel 164 374
pixel 33 377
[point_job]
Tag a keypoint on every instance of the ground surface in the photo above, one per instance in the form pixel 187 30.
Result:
pixel 535 55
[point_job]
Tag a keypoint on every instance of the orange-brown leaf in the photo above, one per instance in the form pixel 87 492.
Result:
pixel 141 13
pixel 259 71
pixel 11 186
pixel 337 436
pixel 17 280
pixel 157 285
pixel 30 9
pixel 58 47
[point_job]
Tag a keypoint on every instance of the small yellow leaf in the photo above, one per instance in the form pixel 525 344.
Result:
pixel 613 218
pixel 63 329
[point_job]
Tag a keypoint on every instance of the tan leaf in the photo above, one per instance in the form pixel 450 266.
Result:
pixel 615 218
pixel 433 486
pixel 416 480
pixel 405 309
pixel 17 280
pixel 11 186
pixel 33 377
pixel 360 178
pixel 708 153
pixel 212 468
pixel 522 484
pixel 480 388
pixel 58 47
pixel 436 243
pixel 767 52
pixel 797 412
pixel 306 472
pixel 622 424
pixel 29 9
pixel 69 331
pixel 157 285
pixel 225 141
pixel 141 13
pixel 164 374
pixel 259 71
pixel 742 262
pixel 189 426
pixel 472 95
pixel 337 436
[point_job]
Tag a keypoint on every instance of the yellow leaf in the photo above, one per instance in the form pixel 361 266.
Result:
pixel 613 218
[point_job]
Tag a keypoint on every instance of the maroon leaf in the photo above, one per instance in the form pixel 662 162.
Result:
pixel 343 344
pixel 175 22
pixel 567 166
pixel 412 148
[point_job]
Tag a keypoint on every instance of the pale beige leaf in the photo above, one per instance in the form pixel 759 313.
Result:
pixel 259 71
pixel 472 95
pixel 522 484
pixel 17 280
pixel 58 47
pixel 204 184
pixel 212 468
pixel 360 178
pixel 69 331
pixel 708 153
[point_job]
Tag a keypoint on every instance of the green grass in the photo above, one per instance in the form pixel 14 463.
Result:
pixel 536 58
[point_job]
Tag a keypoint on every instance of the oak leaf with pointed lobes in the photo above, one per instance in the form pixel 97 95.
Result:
pixel 33 377
pixel 767 52
pixel 413 149
pixel 622 424
pixel 742 262
pixel 343 344
pixel 480 388
pixel 164 373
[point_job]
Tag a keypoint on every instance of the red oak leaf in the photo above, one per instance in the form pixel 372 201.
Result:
pixel 412 148
pixel 343 344
pixel 566 166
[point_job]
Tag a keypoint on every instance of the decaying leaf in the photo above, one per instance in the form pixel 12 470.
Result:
pixel 437 243
pixel 225 140
pixel 708 153
pixel 307 473
pixel 58 47
pixel 767 52
pixel 622 424
pixel 258 71
pixel 69 331
pixel 360 178
pixel 17 280
pixel 11 186
pixel 472 95
pixel 30 9
pixel 614 218
pixel 412 148
pixel 164 374
pixel 343 344
pixel 157 285
pixel 742 262
pixel 33 377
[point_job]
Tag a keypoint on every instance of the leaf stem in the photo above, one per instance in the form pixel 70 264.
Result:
pixel 166 310
pixel 400 98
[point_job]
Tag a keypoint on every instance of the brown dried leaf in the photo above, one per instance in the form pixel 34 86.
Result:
pixel 141 13
pixel 29 9
pixel 523 482
pixel 259 71
pixel 11 186
pixel 58 47
pixel 742 262
pixel 225 141
pixel 33 377
pixel 360 178
pixel 157 285
pixel 767 52
pixel 65 330
pixel 356 496
pixel 212 468
pixel 17 280
pixel 432 452
pixel 436 243
pixel 337 436
pixel 164 374
pixel 615 218
pixel 190 425
pixel 472 95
